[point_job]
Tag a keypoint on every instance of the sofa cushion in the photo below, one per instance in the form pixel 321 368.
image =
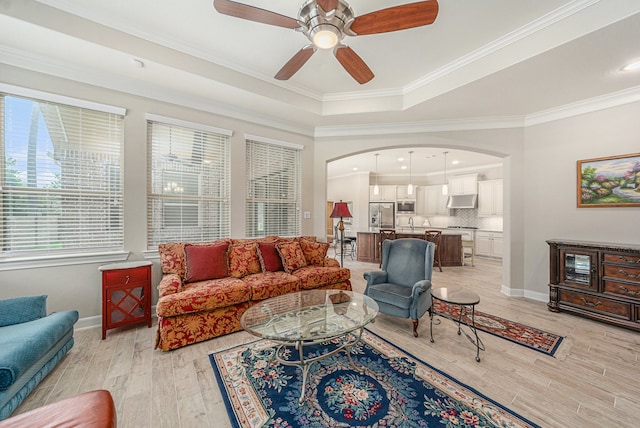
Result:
pixel 21 345
pixel 203 296
pixel 271 284
pixel 22 309
pixel 291 255
pixel 314 276
pixel 243 259
pixel 269 257
pixel 172 257
pixel 314 252
pixel 206 262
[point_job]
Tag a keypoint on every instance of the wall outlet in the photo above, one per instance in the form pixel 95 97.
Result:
pixel 307 214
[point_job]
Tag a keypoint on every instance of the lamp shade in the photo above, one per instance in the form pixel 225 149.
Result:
pixel 340 209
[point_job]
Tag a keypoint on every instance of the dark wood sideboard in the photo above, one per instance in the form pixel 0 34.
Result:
pixel 369 247
pixel 596 280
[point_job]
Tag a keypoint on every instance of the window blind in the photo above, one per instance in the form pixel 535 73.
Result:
pixel 274 189
pixel 61 177
pixel 189 184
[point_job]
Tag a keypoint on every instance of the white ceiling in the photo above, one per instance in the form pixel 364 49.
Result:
pixel 481 61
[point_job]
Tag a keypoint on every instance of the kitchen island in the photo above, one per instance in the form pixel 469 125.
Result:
pixel 450 246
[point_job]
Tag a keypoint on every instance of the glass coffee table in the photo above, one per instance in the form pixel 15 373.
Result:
pixel 465 300
pixel 308 318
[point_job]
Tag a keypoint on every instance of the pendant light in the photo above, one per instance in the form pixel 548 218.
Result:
pixel 376 188
pixel 445 186
pixel 410 186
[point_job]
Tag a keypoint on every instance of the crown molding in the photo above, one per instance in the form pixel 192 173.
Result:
pixel 515 36
pixel 590 105
pixel 418 127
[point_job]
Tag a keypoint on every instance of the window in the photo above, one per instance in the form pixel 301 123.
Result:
pixel 189 187
pixel 274 183
pixel 61 176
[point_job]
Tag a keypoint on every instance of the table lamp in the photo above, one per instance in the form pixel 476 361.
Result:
pixel 341 210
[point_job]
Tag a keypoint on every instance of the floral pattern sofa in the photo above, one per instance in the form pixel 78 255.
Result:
pixel 206 287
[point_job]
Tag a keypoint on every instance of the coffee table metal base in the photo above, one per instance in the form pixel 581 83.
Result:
pixel 304 363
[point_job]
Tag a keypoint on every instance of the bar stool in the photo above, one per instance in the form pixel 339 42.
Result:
pixel 435 236
pixel 468 243
pixel 385 234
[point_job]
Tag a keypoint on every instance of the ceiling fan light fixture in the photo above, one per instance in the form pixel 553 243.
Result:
pixel 325 36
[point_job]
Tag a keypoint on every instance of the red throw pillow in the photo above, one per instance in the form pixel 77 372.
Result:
pixel 206 262
pixel 291 255
pixel 270 260
pixel 314 252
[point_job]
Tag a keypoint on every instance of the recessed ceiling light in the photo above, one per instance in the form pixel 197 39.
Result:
pixel 355 168
pixel 632 66
pixel 400 159
pixel 403 167
pixel 455 162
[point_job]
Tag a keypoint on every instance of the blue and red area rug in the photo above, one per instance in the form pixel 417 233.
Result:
pixel 531 337
pixel 395 390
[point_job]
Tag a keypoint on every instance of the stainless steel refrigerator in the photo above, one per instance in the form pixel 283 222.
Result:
pixel 382 215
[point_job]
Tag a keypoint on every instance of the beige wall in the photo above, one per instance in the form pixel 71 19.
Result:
pixel 551 153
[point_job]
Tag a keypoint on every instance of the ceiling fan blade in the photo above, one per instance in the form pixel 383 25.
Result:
pixel 328 5
pixel 396 18
pixel 295 63
pixel 354 65
pixel 253 13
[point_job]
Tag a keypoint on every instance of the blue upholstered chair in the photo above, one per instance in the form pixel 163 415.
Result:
pixel 403 287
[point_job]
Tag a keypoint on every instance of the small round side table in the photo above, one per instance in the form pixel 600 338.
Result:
pixel 465 300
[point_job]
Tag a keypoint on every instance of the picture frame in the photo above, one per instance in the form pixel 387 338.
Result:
pixel 606 182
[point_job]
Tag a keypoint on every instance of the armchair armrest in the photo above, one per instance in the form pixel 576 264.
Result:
pixel 22 309
pixel 420 288
pixel 170 283
pixel 375 277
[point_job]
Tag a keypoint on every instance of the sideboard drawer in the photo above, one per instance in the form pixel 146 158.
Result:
pixel 622 288
pixel 591 303
pixel 622 259
pixel 627 273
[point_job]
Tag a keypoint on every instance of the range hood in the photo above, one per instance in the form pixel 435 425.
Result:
pixel 462 201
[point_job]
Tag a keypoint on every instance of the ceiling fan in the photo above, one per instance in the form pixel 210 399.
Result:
pixel 327 22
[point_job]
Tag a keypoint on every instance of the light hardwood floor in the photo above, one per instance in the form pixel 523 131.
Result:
pixel 594 382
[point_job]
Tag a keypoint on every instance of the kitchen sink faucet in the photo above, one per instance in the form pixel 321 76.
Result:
pixel 411 223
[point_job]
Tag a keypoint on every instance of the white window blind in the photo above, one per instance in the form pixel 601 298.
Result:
pixel 189 184
pixel 274 187
pixel 61 178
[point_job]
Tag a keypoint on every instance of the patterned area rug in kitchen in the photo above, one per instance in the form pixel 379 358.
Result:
pixel 395 389
pixel 531 337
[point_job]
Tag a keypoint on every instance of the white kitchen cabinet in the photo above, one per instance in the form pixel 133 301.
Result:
pixel 489 244
pixel 402 193
pixel 463 184
pixel 434 203
pixel 420 200
pixel 386 194
pixel 490 198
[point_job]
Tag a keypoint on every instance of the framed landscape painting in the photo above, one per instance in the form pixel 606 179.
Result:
pixel 609 182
